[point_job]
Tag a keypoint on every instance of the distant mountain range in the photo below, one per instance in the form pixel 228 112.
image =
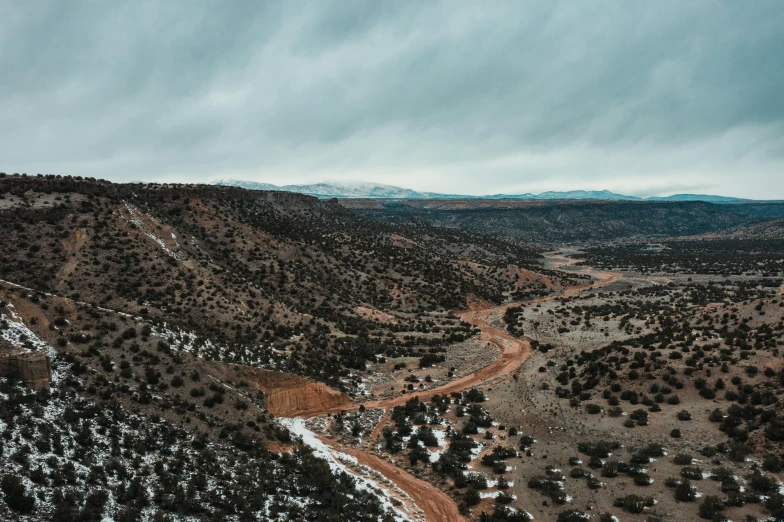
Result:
pixel 378 191
pixel 347 190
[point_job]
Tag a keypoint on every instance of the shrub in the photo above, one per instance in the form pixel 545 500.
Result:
pixel 499 467
pixel 573 515
pixel 708 451
pixel 472 497
pixel 685 492
pixel 691 472
pixel 579 473
pixel 429 359
pixel 152 376
pixel 762 483
pixel 654 450
pixel 772 464
pixel 642 479
pixel 559 497
pixel 504 498
pixel 682 459
pixel 475 395
pixel 601 449
pixel 610 470
pixel 633 503
pixel 711 506
pixel 775 430
pixel 16 494
pixel 476 480
pixel 641 416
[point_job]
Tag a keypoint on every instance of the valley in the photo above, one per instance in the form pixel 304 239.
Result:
pixel 432 504
pixel 307 362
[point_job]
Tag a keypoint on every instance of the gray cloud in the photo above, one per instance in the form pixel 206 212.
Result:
pixel 450 96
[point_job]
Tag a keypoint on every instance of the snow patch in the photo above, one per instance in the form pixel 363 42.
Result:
pixel 338 463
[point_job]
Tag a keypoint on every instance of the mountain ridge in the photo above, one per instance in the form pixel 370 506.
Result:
pixel 380 191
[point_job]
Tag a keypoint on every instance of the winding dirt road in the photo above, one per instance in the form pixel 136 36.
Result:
pixel 437 505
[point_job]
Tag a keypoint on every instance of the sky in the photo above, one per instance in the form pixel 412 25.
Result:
pixel 641 98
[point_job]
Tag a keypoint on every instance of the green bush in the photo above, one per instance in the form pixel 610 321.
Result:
pixel 471 497
pixel 16 494
pixel 711 507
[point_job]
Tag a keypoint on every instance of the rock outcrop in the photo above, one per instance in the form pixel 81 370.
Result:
pixel 33 368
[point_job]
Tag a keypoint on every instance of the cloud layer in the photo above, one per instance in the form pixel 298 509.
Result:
pixel 641 98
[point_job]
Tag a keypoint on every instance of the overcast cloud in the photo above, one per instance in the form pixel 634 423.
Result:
pixel 644 98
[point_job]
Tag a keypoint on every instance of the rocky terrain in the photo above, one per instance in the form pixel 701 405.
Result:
pixel 34 369
pixel 212 353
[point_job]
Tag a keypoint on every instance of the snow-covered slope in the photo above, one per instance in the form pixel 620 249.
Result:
pixel 571 194
pixel 335 190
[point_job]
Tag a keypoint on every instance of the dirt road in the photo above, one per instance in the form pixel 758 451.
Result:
pixel 437 505
pixel 513 350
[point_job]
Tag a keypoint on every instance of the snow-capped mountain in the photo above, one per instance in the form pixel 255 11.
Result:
pixel 572 194
pixel 378 191
pixel 340 190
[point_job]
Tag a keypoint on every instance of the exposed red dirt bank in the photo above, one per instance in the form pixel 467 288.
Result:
pixel 299 396
pixel 289 395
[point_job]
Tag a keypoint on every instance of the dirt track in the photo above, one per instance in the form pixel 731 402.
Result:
pixel 513 350
pixel 436 504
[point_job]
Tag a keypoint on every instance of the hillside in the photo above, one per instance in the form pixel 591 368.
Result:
pixel 765 230
pixel 569 220
pixel 256 269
